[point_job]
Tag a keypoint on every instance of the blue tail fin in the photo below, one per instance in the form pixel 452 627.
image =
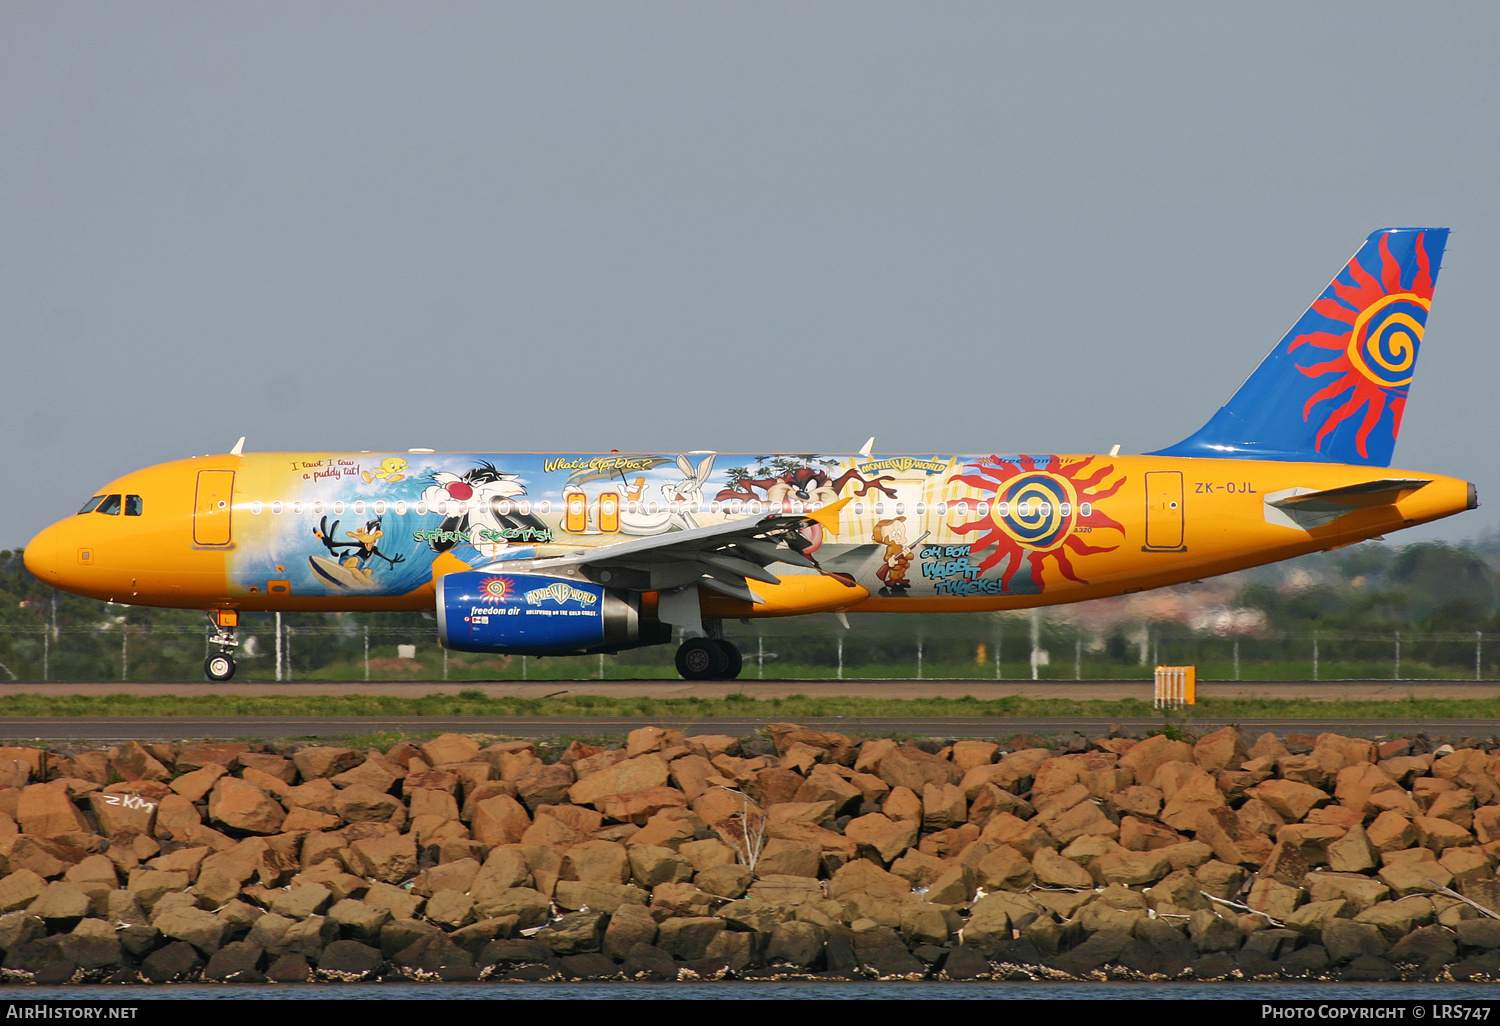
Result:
pixel 1333 390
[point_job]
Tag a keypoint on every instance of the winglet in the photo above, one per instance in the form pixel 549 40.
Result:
pixel 869 448
pixel 239 447
pixel 828 516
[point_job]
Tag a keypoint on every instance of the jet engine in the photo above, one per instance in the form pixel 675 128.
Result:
pixel 533 614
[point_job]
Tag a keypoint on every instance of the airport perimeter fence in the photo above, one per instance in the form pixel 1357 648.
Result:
pixel 892 648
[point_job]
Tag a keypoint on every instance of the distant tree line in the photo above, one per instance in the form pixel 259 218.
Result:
pixel 1407 611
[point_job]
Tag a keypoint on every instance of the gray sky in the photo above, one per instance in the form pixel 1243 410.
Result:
pixel 744 227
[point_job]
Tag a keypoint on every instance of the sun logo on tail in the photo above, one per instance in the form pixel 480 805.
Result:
pixel 1038 507
pixel 1381 324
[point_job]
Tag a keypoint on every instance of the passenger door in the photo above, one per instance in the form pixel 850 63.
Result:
pixel 1164 524
pixel 212 509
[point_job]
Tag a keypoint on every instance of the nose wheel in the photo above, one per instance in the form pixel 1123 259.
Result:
pixel 224 634
pixel 708 659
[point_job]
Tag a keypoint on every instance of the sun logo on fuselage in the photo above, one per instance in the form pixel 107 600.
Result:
pixel 1036 510
pixel 496 590
pixel 1382 323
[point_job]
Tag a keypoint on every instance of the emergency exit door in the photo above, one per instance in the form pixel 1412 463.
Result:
pixel 213 506
pixel 1164 527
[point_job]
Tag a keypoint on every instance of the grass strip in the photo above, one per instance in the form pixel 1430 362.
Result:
pixel 737 706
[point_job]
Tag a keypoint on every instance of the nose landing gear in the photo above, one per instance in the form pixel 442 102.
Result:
pixel 223 632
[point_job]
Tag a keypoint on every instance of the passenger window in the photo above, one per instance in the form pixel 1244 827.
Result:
pixel 132 505
pixel 91 505
pixel 110 506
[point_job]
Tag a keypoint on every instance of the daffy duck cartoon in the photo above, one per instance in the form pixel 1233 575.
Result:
pixel 354 555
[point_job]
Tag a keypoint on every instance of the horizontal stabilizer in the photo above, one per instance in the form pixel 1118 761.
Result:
pixel 1306 509
pixel 1370 493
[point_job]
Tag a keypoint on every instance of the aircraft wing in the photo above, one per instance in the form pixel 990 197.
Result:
pixel 720 557
pixel 1308 509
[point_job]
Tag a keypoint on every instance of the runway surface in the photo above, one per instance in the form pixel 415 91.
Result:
pixel 187 728
pixel 177 728
pixel 1081 691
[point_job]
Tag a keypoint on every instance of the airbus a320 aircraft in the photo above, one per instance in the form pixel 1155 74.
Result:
pixel 603 551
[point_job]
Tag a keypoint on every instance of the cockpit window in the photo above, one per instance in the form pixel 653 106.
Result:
pixel 132 505
pixel 91 505
pixel 110 506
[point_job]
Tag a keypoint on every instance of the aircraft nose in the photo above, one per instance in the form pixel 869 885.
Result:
pixel 42 556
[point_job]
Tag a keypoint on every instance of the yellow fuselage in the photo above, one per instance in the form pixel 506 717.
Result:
pixel 940 533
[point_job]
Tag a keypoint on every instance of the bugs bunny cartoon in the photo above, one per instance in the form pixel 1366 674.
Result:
pixel 683 498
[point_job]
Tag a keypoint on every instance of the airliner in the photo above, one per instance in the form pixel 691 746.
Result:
pixel 587 552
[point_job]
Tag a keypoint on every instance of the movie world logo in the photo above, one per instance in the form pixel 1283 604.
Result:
pixel 561 593
pixel 903 464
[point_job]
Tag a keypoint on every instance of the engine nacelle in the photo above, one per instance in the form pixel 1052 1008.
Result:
pixel 531 614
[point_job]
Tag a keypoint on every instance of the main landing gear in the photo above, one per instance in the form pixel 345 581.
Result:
pixel 708 659
pixel 223 632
